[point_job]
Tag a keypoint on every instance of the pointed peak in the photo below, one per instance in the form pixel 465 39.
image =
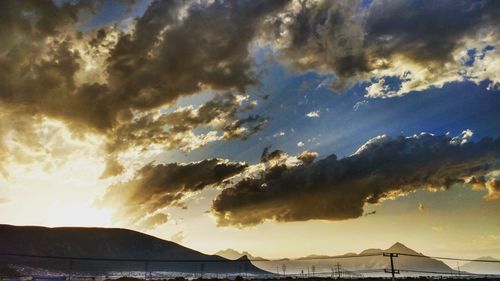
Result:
pixel 243 258
pixel 401 248
pixel 398 244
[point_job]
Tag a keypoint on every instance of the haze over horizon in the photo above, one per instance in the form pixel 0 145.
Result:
pixel 283 128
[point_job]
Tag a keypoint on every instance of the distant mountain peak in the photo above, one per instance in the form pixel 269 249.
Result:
pixel 401 248
pixel 487 258
pixel 398 244
pixel 235 255
pixel 482 267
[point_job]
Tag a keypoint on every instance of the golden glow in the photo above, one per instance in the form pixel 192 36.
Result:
pixel 57 182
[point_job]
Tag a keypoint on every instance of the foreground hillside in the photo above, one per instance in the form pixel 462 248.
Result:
pixel 85 244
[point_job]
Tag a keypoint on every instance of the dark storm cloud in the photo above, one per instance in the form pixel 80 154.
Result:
pixel 167 57
pixel 109 81
pixel 322 35
pixel 427 31
pixel 350 41
pixel 114 80
pixel 338 189
pixel 158 186
pixel 26 78
pixel 179 48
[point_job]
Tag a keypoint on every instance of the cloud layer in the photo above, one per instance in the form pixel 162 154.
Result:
pixel 287 188
pixel 422 44
pixel 338 189
pixel 117 81
pixel 113 87
pixel 139 201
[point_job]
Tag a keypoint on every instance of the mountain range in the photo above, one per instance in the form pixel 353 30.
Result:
pixel 370 262
pixel 107 251
pixel 482 267
pixel 37 244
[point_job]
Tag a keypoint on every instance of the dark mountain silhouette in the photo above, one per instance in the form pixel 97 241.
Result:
pixel 482 267
pixel 108 243
pixel 357 262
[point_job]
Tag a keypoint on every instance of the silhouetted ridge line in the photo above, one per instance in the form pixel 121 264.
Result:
pixel 447 258
pixel 117 259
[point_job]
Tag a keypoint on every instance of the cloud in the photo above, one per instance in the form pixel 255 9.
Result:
pixel 113 168
pixel 307 157
pixel 152 221
pixel 43 142
pixel 421 207
pixel 102 81
pixel 338 189
pixel 359 104
pixel 369 213
pixel 117 81
pixel 178 237
pixel 179 50
pixel 176 129
pixel 154 187
pixel 421 44
pixel 493 187
pixel 313 114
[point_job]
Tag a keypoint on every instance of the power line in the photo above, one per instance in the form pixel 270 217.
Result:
pixel 392 270
pixel 244 260
pixel 446 273
pixel 176 260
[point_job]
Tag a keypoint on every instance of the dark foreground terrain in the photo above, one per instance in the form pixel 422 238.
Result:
pixel 98 251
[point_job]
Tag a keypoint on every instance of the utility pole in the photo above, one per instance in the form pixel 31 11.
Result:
pixel 392 271
pixel 338 270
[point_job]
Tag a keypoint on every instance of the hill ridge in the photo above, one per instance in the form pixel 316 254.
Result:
pixel 106 243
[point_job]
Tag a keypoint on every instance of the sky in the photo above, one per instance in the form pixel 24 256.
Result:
pixel 283 128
